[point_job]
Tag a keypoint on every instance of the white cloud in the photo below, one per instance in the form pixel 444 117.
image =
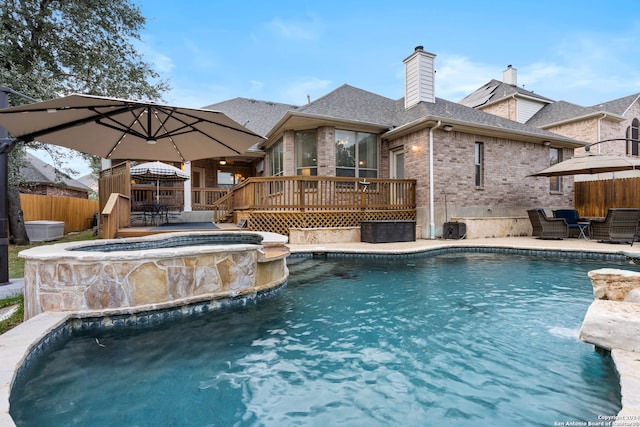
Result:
pixel 295 29
pixel 198 57
pixel 162 63
pixel 199 97
pixel 457 76
pixel 584 72
pixel 296 93
pixel 256 85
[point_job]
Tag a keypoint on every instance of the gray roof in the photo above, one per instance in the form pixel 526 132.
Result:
pixel 37 172
pixel 558 112
pixel 553 112
pixel 447 110
pixel 257 116
pixel 563 111
pixel 353 104
pixel 356 105
pixel 350 103
pixel 496 90
pixel 617 106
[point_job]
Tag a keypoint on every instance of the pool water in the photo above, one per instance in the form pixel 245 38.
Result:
pixel 454 340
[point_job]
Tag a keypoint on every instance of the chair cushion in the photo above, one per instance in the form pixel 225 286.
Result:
pixel 569 215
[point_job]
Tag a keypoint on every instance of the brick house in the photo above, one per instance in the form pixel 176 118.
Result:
pixel 477 161
pixel 38 177
pixel 613 120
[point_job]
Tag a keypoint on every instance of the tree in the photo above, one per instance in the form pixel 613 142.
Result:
pixel 53 47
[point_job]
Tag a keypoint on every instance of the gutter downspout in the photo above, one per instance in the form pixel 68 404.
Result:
pixel 432 223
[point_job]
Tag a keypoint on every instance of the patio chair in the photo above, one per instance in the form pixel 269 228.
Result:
pixel 572 218
pixel 619 225
pixel 547 228
pixel 636 235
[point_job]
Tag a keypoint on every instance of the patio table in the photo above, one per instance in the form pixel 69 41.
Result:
pixel 584 230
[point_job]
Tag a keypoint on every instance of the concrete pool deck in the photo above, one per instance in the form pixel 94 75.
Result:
pixel 15 344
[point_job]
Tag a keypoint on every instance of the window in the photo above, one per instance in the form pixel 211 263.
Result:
pixel 275 159
pixel 479 164
pixel 632 138
pixel 356 154
pixel 307 152
pixel 230 175
pixel 555 182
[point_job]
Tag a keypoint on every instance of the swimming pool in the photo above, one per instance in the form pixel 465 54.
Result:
pixel 457 339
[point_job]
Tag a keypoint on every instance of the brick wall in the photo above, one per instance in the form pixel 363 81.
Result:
pixel 49 190
pixel 581 130
pixel 600 128
pixel 326 151
pixel 505 108
pixel 507 190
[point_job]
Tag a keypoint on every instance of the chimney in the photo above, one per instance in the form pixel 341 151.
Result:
pixel 419 73
pixel 510 76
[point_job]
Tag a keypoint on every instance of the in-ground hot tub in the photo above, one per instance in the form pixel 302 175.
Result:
pixel 153 272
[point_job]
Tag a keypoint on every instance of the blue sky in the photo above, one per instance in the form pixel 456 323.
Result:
pixel 584 52
pixel 578 51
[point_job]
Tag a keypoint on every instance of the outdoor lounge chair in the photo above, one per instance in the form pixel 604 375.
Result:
pixel 636 235
pixel 547 228
pixel 572 218
pixel 618 226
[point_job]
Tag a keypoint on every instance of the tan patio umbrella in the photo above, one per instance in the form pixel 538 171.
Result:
pixel 115 129
pixel 590 163
pixel 122 129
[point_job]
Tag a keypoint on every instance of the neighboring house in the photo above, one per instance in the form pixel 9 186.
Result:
pixel 478 162
pixel 90 181
pixel 38 177
pixel 615 120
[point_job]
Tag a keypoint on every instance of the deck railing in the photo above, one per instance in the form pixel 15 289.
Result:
pixel 201 198
pixel 288 194
pixel 304 193
pixel 115 215
pixel 207 198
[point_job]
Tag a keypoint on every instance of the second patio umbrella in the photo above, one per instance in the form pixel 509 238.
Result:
pixel 590 163
pixel 158 171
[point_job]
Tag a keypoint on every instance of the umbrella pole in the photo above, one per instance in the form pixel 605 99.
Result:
pixel 6 145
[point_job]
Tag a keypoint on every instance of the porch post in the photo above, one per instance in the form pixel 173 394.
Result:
pixel 187 188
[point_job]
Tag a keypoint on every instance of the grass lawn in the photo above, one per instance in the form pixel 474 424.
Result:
pixel 16 270
pixel 16 265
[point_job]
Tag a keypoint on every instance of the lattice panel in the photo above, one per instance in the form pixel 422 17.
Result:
pixel 281 222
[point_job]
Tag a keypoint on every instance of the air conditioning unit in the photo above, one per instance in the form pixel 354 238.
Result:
pixel 454 230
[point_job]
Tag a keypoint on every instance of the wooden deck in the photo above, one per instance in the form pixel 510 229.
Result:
pixel 148 231
pixel 277 204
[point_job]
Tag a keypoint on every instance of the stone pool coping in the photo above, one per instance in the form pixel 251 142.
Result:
pixel 16 343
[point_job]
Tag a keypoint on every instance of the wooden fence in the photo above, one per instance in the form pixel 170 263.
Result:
pixel 593 198
pixel 76 213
